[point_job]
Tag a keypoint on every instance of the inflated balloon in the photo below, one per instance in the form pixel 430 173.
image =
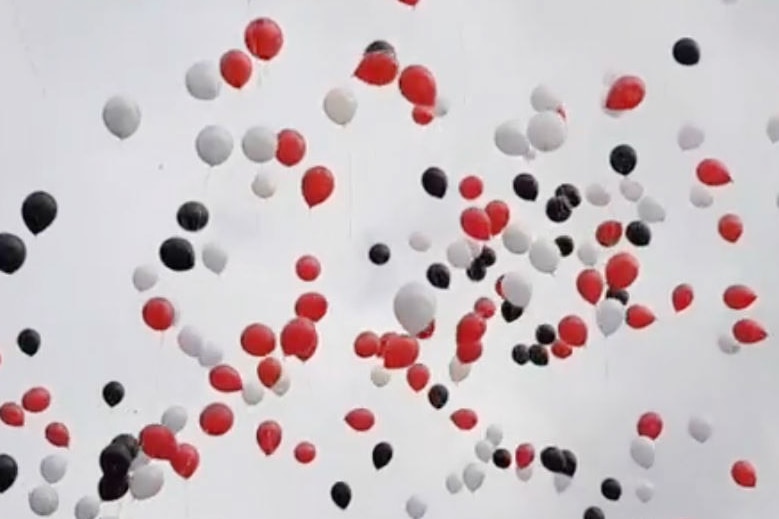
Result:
pixel 236 68
pixel 623 159
pixel 730 227
pixel 744 474
pixel 146 482
pixel 611 489
pixel 638 233
pixel 88 507
pixel 700 428
pixel 186 460
pixel 44 500
pixel 517 289
pixel 597 195
pixel 214 258
pixel 453 483
pixel 214 145
pixel 510 139
pixel 686 52
pixel 57 434
pixel 264 184
pixel 547 131
pixel 713 172
pixel 29 341
pixel 291 147
pixel 216 419
pixel 13 253
pixel 517 238
pixel 435 182
pixel 525 186
pixel 317 185
pixel 121 116
pixel 642 450
pixel 381 455
pixel 414 306
pixel 690 137
pixel 645 491
pixel 557 209
pixel 340 105
pixel 700 196
pixel 416 507
pixel 650 211
pixel 259 144
pixel 39 210
pixel 630 189
pixel 378 66
pixel 9 471
pixel 113 393
pixel 419 241
pixel 177 254
pixel 544 255
pixel 202 81
pixel 772 129
pixel 341 494
pixel 418 85
pixel 542 99
pixel 609 316
pixel 650 424
pixel 174 418
pixel 570 193
pixel 144 277
pixel 252 392
pixel 192 216
pixel 626 93
pixel 263 38
pixel 473 477
pixel 483 450
pixel 438 396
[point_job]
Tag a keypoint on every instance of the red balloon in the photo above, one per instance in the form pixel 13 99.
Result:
pixel 572 330
pixel 484 307
pixel 639 316
pixel 524 455
pixel 589 283
pixel 269 371
pixel 469 352
pixel 158 442
pixel 748 331
pixel 360 419
pixel 400 352
pixel 236 68
pixel 12 414
pixel 713 173
pixel 317 185
pixel 738 297
pixel 311 305
pixel 216 419
pixel 422 115
pixel 412 3
pixel 650 424
pixel 269 436
pixel 305 452
pixel 158 314
pixel 609 233
pixel 366 345
pixel 561 350
pixel 291 147
pixel 471 187
pixel 427 332
pixel 499 286
pixel 298 336
pixel 471 327
pixel 626 93
pixel 682 297
pixel 307 268
pixel 744 474
pixel 464 419
pixel 417 377
pixel 730 228
pixel 258 340
pixel 417 85
pixel 476 223
pixel 499 214
pixel 377 68
pixel 186 460
pixel 57 434
pixel 263 38
pixel 621 270
pixel 36 400
pixel 225 378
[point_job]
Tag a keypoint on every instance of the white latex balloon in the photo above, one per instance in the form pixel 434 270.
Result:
pixel 690 137
pixel 214 258
pixel 340 105
pixel 380 376
pixel 494 434
pixel 542 99
pixel 547 131
pixel 458 371
pixel 264 184
pixel 630 189
pixel 214 145
pixel 53 468
pixel 597 195
pixel 561 482
pixel 544 255
pixel 203 81
pixel 146 482
pixel 174 418
pixel 259 144
pixel 414 306
pixel 140 460
pixel 43 500
pixel 210 355
pixel 475 246
pixel 517 289
pixel 416 507
pixel 524 474
pixel 144 277
pixel 700 196
pixel 442 106
pixel 459 254
pixel 88 507
pixel 483 450
pixel 282 385
pixel 642 450
pixel 588 253
pixel 473 476
pixel 510 140
pixel 419 241
pixel 700 428
pixel 728 344
pixel 650 210
pixel 645 490
pixel 517 238
pixel 121 116
pixel 772 128
pixel 453 483
pixel 609 315
pixel 252 392
pixel 190 341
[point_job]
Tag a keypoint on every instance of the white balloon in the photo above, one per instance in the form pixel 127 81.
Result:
pixel 609 315
pixel 588 253
pixel 419 241
pixel 190 341
pixel 210 355
pixel 442 106
pixel 524 474
pixel 282 385
pixel 214 258
pixel 772 128
pixel 544 255
pixel 597 195
pixel 700 196
pixel 414 306
pixel 416 507
pixel 380 376
pixel 259 144
pixel 547 131
pixel 475 246
pixel 473 476
pixel 690 137
pixel 561 482
pixel 494 434
pixel 458 371
pixel 510 140
pixel 340 105
pixel 174 418
pixel 214 145
pixel 645 490
pixel 121 116
pixel 517 289
pixel 728 344
pixel 203 81
pixel 700 428
pixel 140 460
pixel 542 99
pixel 252 392
pixel 517 238
pixel 43 500
pixel 650 210
pixel 630 189
pixel 88 507
pixel 642 450
pixel 53 468
pixel 483 450
pixel 146 482
pixel 144 277
pixel 264 185
pixel 459 254
pixel 453 483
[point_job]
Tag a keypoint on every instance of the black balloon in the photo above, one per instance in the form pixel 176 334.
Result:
pixel 115 460
pixel 557 209
pixel 476 271
pixel 525 187
pixel 438 396
pixel 379 254
pixel 434 182
pixel 39 210
pixel 382 455
pixel 501 458
pixel 379 46
pixel 620 295
pixel 9 471
pixel 686 52
pixel 13 252
pixel 570 465
pixel 623 159
pixel 510 312
pixel 638 233
pixel 177 254
pixel 594 512
pixel 113 393
pixel 552 459
pixel 545 333
pixel 570 193
pixel 538 355
pixel 611 489
pixel 130 442
pixel 111 488
pixel 192 216
pixel 29 341
pixel 564 245
pixel 487 257
pixel 341 495
pixel 438 275
pixel 519 354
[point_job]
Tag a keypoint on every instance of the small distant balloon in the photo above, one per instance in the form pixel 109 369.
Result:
pixel 121 116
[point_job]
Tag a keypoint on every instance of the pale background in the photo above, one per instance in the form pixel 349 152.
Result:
pixel 62 60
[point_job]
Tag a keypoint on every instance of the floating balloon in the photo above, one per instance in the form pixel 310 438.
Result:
pixel 121 117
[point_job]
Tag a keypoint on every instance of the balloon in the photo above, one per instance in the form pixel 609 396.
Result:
pixel 609 316
pixel 112 488
pixel 39 210
pixel 36 399
pixel 144 277
pixel 146 482
pixel 744 474
pixel 690 137
pixel 544 255
pixel 700 196
pixel 748 331
pixel 686 52
pixel 305 452
pixel 202 81
pixel 259 144
pixel 158 313
pixel 483 450
pixel 44 500
pixel 9 471
pixel 419 241
pixel 192 216
pixel 510 140
pixel 360 419
pixel 630 189
pixel 13 253
pixel 121 116
pixel 543 99
pixel 341 494
pixel 460 368
pixel 186 460
pixel 626 93
pixel 738 297
pixel 772 129
pixel 53 468
pixel 699 428
pixel 589 283
pixel 414 306
pixel 269 436
pixel 263 38
pixel 453 483
pixel 473 477
pixel 597 195
pixel 340 105
pixel 291 147
pixel 236 68
pixel 728 344
pixel 712 172
pixel 378 66
pixel 157 442
pixel 547 131
pixel 642 450
pixel 417 85
pixel 611 489
pixel 113 393
pixel 525 186
pixel 730 227
pixel 177 254
pixel 380 376
pixel 416 507
pixel 57 434
pixel 174 418
pixel 88 507
pixel 645 490
pixel 190 341
pixel 435 182
pixel 317 185
pixel 517 289
pixel 214 258
pixel 650 424
pixel 252 392
pixel 517 239
pixel 214 145
pixel 264 184
pixel 216 419
pixel 650 211
pixel 621 270
pixel 381 455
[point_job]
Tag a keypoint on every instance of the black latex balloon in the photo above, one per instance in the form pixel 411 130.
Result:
pixel 177 254
pixel 638 233
pixel 115 460
pixel 519 354
pixel 29 341
pixel 39 210
pixel 564 245
pixel 501 458
pixel 538 355
pixel 545 333
pixel 476 271
pixel 130 442
pixel 341 495
pixel 552 459
pixel 594 512
pixel 487 257
pixel 438 396
pixel 379 254
pixel 112 488
pixel 510 312
pixel 620 295
pixel 192 216
pixel 611 489
pixel 570 193
pixel 526 187
pixel 379 46
pixel 13 252
pixel 623 159
pixel 434 182
pixel 113 393
pixel 570 465
pixel 382 455
pixel 686 52
pixel 557 209
pixel 9 471
pixel 438 275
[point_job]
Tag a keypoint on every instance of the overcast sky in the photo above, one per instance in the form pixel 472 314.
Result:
pixel 118 202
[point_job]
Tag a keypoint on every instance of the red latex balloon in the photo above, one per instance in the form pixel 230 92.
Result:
pixel 713 173
pixel 291 147
pixel 499 286
pixel 471 187
pixel 186 460
pixel 464 419
pixel 377 68
pixel 621 270
pixel 524 455
pixel 58 434
pixel 225 378
pixel 499 214
pixel 471 327
pixel 749 331
pixel 738 297
pixel 366 345
pixel 730 227
pixel 263 38
pixel 36 399
pixel 305 452
pixel 609 233
pixel 360 419
pixel 561 350
pixel 589 284
pixel 469 352
pixel 269 435
pixel 158 314
pixel 422 115
pixel 417 377
pixel 216 419
pixel 317 185
pixel 427 332
pixel 476 223
pixel 269 371
pixel 417 85
pixel 639 316
pixel 311 305
pixel 626 93
pixel 158 442
pixel 384 341
pixel 744 474
pixel 307 268
pixel 572 330
pixel 12 414
pixel 298 335
pixel 484 307
pixel 258 340
pixel 412 3
pixel 682 297
pixel 400 352
pixel 236 68
pixel 650 424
